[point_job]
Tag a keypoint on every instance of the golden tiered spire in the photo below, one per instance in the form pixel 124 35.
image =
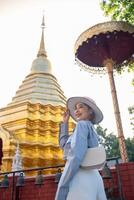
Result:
pixel 33 117
pixel 42 51
pixel 40 86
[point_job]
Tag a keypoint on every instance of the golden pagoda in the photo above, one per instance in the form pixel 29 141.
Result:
pixel 32 118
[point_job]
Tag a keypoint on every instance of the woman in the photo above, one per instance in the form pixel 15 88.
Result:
pixel 77 183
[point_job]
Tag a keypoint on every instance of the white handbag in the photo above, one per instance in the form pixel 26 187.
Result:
pixel 95 158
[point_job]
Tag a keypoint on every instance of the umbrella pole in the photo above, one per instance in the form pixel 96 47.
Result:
pixel 109 66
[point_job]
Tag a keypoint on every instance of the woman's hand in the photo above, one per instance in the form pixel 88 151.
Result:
pixel 66 116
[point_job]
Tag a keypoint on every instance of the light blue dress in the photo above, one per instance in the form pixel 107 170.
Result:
pixel 75 146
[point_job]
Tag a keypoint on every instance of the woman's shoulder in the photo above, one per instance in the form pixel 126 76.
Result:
pixel 85 122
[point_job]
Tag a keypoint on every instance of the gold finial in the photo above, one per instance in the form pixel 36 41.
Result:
pixel 42 51
pixel 43 21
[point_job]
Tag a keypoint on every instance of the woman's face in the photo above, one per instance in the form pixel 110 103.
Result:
pixel 82 112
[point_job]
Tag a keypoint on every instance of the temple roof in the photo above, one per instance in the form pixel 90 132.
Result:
pixel 40 85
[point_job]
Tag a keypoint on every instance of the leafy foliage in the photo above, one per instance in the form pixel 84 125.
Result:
pixel 111 144
pixel 119 9
pixel 109 141
pixel 131 112
pixel 130 148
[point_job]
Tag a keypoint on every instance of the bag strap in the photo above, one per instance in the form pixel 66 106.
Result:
pixel 100 141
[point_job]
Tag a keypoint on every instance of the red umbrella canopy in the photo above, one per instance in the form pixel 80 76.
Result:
pixel 110 40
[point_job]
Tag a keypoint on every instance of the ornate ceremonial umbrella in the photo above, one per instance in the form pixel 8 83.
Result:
pixel 106 47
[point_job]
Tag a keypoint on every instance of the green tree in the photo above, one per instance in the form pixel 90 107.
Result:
pixel 111 144
pixel 130 148
pixel 119 9
pixel 131 112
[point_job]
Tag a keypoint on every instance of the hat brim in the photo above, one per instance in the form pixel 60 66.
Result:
pixel 71 102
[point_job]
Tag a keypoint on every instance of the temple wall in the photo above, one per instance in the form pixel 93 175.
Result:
pixel 47 191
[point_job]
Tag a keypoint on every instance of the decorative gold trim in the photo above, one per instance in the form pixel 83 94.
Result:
pixel 96 30
pixel 103 28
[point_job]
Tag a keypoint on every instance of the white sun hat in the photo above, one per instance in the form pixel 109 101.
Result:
pixel 71 102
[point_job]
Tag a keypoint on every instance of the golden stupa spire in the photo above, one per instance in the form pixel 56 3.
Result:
pixel 32 119
pixel 42 51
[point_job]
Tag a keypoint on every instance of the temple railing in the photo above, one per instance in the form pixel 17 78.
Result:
pixel 20 177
